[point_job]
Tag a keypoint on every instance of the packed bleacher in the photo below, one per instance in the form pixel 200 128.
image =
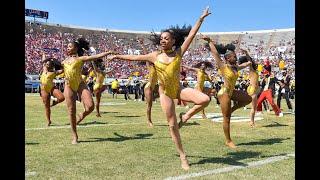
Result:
pixel 53 39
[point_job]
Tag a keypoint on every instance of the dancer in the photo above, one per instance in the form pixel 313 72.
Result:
pixel 49 72
pixel 253 88
pixel 150 86
pixel 229 71
pixel 98 88
pixel 185 84
pixel 167 63
pixel 87 76
pixel 202 76
pixel 74 84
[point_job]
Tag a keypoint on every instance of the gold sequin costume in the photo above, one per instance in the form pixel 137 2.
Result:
pixel 72 73
pixel 253 88
pixel 152 77
pixel 201 77
pixel 169 76
pixel 230 79
pixel 46 80
pixel 99 80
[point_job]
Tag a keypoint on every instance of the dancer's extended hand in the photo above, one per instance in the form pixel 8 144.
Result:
pixel 205 13
pixel 206 38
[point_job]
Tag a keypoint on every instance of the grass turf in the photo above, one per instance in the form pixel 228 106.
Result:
pixel 120 145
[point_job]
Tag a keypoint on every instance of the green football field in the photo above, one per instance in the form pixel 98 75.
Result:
pixel 120 145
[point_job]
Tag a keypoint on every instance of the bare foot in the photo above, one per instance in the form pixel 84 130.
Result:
pixel 98 115
pixel 150 124
pixel 252 124
pixel 231 145
pixel 184 163
pixel 74 141
pixel 49 123
pixel 204 116
pixel 181 123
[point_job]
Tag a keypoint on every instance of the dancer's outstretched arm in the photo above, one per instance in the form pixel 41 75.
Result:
pixel 248 57
pixel 151 57
pixel 214 52
pixel 194 31
pixel 244 65
pixel 94 57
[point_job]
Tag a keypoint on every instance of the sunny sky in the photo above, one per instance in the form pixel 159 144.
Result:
pixel 148 15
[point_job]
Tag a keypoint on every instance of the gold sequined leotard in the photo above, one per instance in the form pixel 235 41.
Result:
pixel 230 79
pixel 169 76
pixel 99 80
pixel 46 80
pixel 152 77
pixel 72 73
pixel 253 88
pixel 201 77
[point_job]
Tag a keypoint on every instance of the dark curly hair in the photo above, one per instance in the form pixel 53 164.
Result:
pixel 99 64
pixel 222 49
pixel 243 59
pixel 206 63
pixel 53 62
pixel 176 32
pixel 81 44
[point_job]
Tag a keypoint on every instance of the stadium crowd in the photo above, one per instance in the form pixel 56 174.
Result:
pixel 53 41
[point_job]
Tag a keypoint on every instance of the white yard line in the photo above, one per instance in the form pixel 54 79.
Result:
pixel 232 168
pixel 30 173
pixel 79 126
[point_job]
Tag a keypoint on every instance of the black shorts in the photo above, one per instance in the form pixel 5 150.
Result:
pixel 114 90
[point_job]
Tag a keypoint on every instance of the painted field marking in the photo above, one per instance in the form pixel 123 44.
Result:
pixel 30 173
pixel 217 117
pixel 232 168
pixel 112 104
pixel 80 126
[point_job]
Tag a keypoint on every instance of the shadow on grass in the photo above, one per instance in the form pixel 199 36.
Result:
pixel 87 123
pixel 106 112
pixel 92 122
pixel 275 124
pixel 232 158
pixel 265 141
pixel 186 124
pixel 31 143
pixel 162 125
pixel 127 116
pixel 120 138
pixel 194 123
